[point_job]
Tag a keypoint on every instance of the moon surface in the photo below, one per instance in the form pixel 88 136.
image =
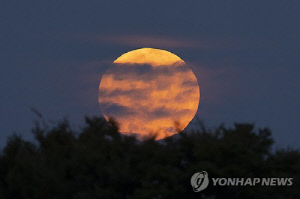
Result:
pixel 149 91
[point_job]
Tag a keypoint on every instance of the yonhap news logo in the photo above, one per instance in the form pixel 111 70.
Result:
pixel 200 181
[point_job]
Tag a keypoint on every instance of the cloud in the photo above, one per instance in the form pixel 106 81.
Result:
pixel 189 83
pixel 134 93
pixel 145 40
pixel 145 71
pixel 158 41
pixel 116 109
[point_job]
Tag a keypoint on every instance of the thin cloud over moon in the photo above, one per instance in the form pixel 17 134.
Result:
pixel 143 40
pixel 147 40
pixel 147 96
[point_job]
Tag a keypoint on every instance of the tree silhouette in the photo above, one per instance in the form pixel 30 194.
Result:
pixel 98 162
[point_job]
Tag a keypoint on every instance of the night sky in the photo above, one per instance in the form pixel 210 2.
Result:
pixel 245 55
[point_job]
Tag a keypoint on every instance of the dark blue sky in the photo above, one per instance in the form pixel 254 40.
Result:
pixel 245 55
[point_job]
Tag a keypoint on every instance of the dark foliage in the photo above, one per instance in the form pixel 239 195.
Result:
pixel 99 162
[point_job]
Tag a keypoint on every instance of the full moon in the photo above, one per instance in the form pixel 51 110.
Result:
pixel 149 91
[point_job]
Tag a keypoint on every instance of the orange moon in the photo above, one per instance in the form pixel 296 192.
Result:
pixel 147 91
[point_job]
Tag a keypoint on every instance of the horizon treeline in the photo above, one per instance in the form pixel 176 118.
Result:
pixel 98 162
